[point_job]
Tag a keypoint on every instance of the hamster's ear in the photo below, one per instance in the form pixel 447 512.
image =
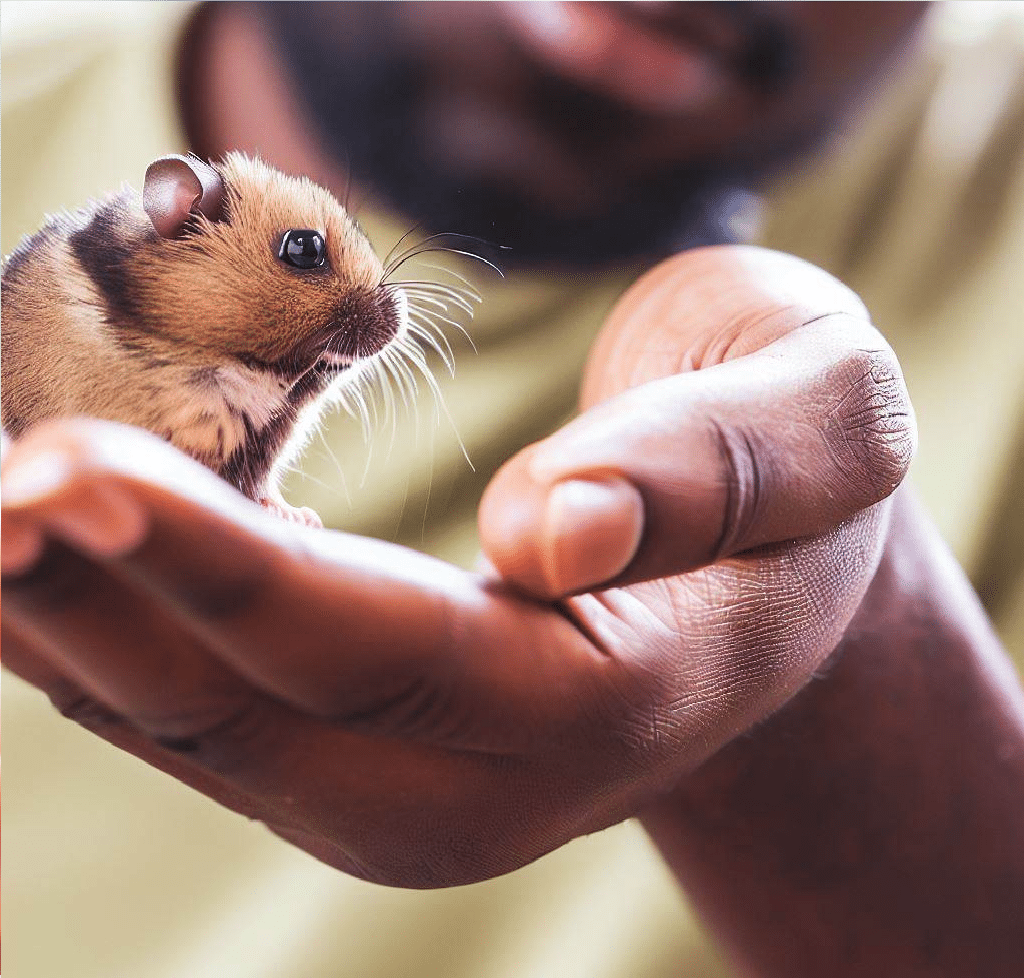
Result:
pixel 177 187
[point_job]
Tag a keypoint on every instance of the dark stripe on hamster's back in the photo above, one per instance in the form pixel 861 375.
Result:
pixel 105 248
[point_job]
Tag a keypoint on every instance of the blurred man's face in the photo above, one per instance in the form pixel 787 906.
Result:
pixel 581 132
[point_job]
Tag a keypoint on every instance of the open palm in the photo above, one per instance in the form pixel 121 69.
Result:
pixel 715 514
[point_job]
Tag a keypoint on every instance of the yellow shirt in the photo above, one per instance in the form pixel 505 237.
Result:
pixel 112 869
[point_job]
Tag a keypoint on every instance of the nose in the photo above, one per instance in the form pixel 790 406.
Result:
pixel 367 320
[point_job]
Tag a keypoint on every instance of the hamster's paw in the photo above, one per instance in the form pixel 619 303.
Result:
pixel 302 515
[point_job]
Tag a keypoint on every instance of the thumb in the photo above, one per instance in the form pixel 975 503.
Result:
pixel 786 441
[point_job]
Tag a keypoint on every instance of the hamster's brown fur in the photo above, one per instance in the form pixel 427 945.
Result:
pixel 207 339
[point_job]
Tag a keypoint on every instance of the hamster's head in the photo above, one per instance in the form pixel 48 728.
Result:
pixel 262 268
pixel 253 290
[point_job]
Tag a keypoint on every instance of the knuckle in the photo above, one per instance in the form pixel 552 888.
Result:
pixel 744 473
pixel 75 705
pixel 870 431
pixel 228 741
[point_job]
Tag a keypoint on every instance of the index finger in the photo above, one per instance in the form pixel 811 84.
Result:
pixel 366 633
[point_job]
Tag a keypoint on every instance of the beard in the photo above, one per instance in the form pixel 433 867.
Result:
pixel 370 101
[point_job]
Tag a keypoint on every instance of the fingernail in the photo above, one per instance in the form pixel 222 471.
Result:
pixel 34 478
pixel 592 531
pixel 99 520
pixel 20 546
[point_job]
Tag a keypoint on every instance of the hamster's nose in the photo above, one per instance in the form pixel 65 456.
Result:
pixel 367 320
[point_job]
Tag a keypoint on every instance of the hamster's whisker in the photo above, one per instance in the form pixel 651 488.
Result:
pixel 432 341
pixel 462 285
pixel 434 307
pixel 423 327
pixel 402 351
pixel 355 403
pixel 434 302
pixel 431 309
pixel 443 288
pixel 439 400
pixel 438 296
pixel 431 244
pixel 398 244
pixel 412 355
pixel 396 363
pixel 469 287
pixel 449 305
pixel 367 406
pixel 429 317
pixel 385 386
pixel 465 292
pixel 425 313
pixel 448 251
pixel 292 469
pixel 408 377
pixel 392 365
pixel 374 385
pixel 324 445
pixel 382 384
pixel 381 414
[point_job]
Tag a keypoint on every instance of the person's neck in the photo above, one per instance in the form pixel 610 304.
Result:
pixel 233 93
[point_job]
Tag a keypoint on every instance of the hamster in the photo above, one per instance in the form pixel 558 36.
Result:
pixel 219 310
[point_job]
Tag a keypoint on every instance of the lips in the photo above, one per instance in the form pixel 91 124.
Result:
pixel 715 28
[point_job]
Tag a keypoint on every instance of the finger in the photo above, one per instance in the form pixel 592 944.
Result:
pixel 21 544
pixel 26 657
pixel 380 810
pixel 361 632
pixel 117 647
pixel 139 681
pixel 785 441
pixel 405 814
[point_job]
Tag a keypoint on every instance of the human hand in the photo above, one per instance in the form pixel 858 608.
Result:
pixel 421 726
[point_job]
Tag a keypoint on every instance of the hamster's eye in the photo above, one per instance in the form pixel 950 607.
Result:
pixel 302 248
